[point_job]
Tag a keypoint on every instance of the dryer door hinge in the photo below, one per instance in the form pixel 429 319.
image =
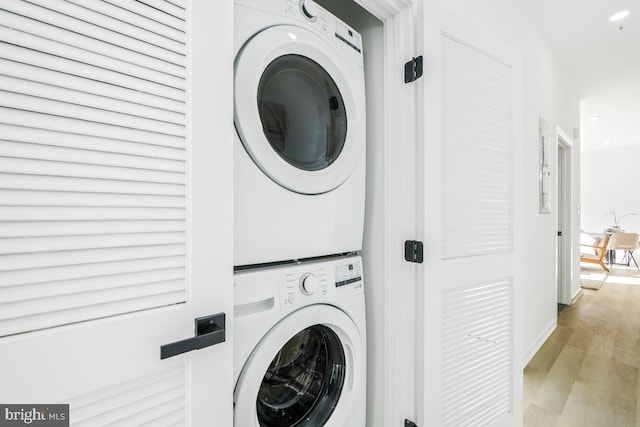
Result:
pixel 413 70
pixel 413 251
pixel 408 423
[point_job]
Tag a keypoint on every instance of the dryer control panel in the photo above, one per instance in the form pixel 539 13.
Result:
pixel 324 21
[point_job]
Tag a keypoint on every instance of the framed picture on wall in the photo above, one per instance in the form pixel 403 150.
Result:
pixel 544 140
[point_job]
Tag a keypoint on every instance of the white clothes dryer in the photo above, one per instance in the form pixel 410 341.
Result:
pixel 300 345
pixel 299 157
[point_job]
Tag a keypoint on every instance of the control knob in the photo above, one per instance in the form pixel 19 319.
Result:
pixel 309 284
pixel 310 9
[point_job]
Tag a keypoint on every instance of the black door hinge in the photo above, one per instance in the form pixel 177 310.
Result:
pixel 559 233
pixel 413 251
pixel 408 423
pixel 413 70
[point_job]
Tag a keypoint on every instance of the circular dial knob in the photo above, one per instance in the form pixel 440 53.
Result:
pixel 310 9
pixel 309 284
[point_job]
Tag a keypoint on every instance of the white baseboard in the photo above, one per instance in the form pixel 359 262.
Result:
pixel 576 296
pixel 540 339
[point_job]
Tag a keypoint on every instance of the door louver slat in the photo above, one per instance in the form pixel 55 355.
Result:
pixel 46 11
pixel 94 78
pixel 58 198
pixel 142 9
pixel 94 213
pixel 95 310
pixel 161 107
pixel 85 271
pixel 103 59
pixel 177 3
pixel 66 287
pixel 132 32
pixel 45 137
pixel 92 166
pixel 66 109
pixel 476 353
pixel 46 91
pixel 50 304
pixel 89 256
pixel 139 20
pixel 93 158
pixel 167 7
pixel 79 170
pixel 20 245
pixel 90 45
pixel 477 154
pixel 87 228
pixel 80 127
pixel 157 399
pixel 89 185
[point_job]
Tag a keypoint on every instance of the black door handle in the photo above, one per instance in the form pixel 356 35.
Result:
pixel 209 331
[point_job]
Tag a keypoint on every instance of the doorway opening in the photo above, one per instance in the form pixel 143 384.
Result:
pixel 563 219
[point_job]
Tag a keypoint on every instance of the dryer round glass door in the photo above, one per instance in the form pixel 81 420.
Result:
pixel 302 112
pixel 304 381
pixel 309 370
pixel 299 108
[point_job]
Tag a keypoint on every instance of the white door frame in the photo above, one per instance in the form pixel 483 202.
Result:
pixel 394 371
pixel 564 220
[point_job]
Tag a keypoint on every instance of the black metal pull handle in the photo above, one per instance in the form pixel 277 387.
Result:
pixel 210 330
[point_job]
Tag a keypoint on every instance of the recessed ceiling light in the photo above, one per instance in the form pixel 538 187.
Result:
pixel 594 118
pixel 607 142
pixel 619 15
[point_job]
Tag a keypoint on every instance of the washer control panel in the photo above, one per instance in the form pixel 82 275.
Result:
pixel 309 284
pixel 346 274
pixel 326 280
pixel 305 284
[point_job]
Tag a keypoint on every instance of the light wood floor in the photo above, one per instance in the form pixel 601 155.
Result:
pixel 586 374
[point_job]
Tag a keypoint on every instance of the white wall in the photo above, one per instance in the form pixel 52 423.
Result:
pixel 609 180
pixel 547 94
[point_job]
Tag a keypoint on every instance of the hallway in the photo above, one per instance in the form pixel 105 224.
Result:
pixel 586 374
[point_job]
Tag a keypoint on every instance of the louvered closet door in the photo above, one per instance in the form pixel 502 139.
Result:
pixel 115 205
pixel 472 221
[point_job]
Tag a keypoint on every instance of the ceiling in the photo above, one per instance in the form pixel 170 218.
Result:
pixel 604 64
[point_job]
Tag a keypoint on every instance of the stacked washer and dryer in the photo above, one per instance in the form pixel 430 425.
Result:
pixel 299 190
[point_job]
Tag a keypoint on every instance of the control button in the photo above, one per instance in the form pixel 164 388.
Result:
pixel 309 284
pixel 310 9
pixel 291 299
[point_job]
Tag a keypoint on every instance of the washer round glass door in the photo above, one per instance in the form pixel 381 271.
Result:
pixel 302 372
pixel 304 381
pixel 294 109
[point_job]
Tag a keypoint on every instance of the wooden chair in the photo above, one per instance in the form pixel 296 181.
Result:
pixel 597 252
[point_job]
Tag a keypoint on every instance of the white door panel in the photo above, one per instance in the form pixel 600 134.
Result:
pixel 473 253
pixel 116 208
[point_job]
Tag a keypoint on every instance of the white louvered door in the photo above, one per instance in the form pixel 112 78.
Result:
pixel 115 206
pixel 473 252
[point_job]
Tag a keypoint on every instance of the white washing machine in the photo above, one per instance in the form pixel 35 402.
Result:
pixel 300 345
pixel 299 180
